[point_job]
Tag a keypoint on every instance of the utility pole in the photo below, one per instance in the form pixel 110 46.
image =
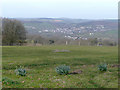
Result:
pixel 66 42
pixel 79 43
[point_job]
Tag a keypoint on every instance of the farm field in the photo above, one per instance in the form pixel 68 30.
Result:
pixel 40 63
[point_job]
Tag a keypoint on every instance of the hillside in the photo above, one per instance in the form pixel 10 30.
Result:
pixel 71 28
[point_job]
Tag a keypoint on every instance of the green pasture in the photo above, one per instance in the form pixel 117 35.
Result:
pixel 40 63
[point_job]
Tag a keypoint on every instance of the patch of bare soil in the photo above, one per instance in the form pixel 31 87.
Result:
pixel 78 71
pixel 61 50
pixel 115 65
pixel 28 69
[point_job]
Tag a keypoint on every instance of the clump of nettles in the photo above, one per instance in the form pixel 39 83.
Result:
pixel 102 67
pixel 20 71
pixel 63 69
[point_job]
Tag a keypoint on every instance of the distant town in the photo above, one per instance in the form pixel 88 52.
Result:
pixel 74 29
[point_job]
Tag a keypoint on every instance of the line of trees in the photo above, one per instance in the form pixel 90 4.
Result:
pixel 13 32
pixel 37 39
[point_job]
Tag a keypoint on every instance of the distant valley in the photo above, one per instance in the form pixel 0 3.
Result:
pixel 72 28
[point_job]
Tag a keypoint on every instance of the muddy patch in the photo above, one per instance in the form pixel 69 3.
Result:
pixel 115 65
pixel 76 72
pixel 61 50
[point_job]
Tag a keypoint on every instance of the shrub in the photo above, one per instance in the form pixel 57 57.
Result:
pixel 6 81
pixel 20 71
pixel 63 69
pixel 102 67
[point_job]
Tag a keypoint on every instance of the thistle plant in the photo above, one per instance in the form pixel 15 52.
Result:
pixel 102 67
pixel 63 69
pixel 20 71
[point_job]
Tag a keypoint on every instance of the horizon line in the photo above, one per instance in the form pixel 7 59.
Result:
pixel 59 18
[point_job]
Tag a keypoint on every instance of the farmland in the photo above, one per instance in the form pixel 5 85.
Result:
pixel 40 63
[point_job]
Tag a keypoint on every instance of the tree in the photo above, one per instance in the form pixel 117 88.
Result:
pixel 51 41
pixel 37 39
pixel 13 31
pixel 94 41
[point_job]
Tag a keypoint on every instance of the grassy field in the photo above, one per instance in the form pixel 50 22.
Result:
pixel 40 63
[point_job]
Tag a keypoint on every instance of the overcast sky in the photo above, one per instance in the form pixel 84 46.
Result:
pixel 83 9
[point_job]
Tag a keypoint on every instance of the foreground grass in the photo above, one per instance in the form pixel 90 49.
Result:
pixel 40 63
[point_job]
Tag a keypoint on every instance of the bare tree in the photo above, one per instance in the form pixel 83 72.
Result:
pixel 13 31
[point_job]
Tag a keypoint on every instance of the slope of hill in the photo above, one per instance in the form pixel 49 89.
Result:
pixel 71 28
